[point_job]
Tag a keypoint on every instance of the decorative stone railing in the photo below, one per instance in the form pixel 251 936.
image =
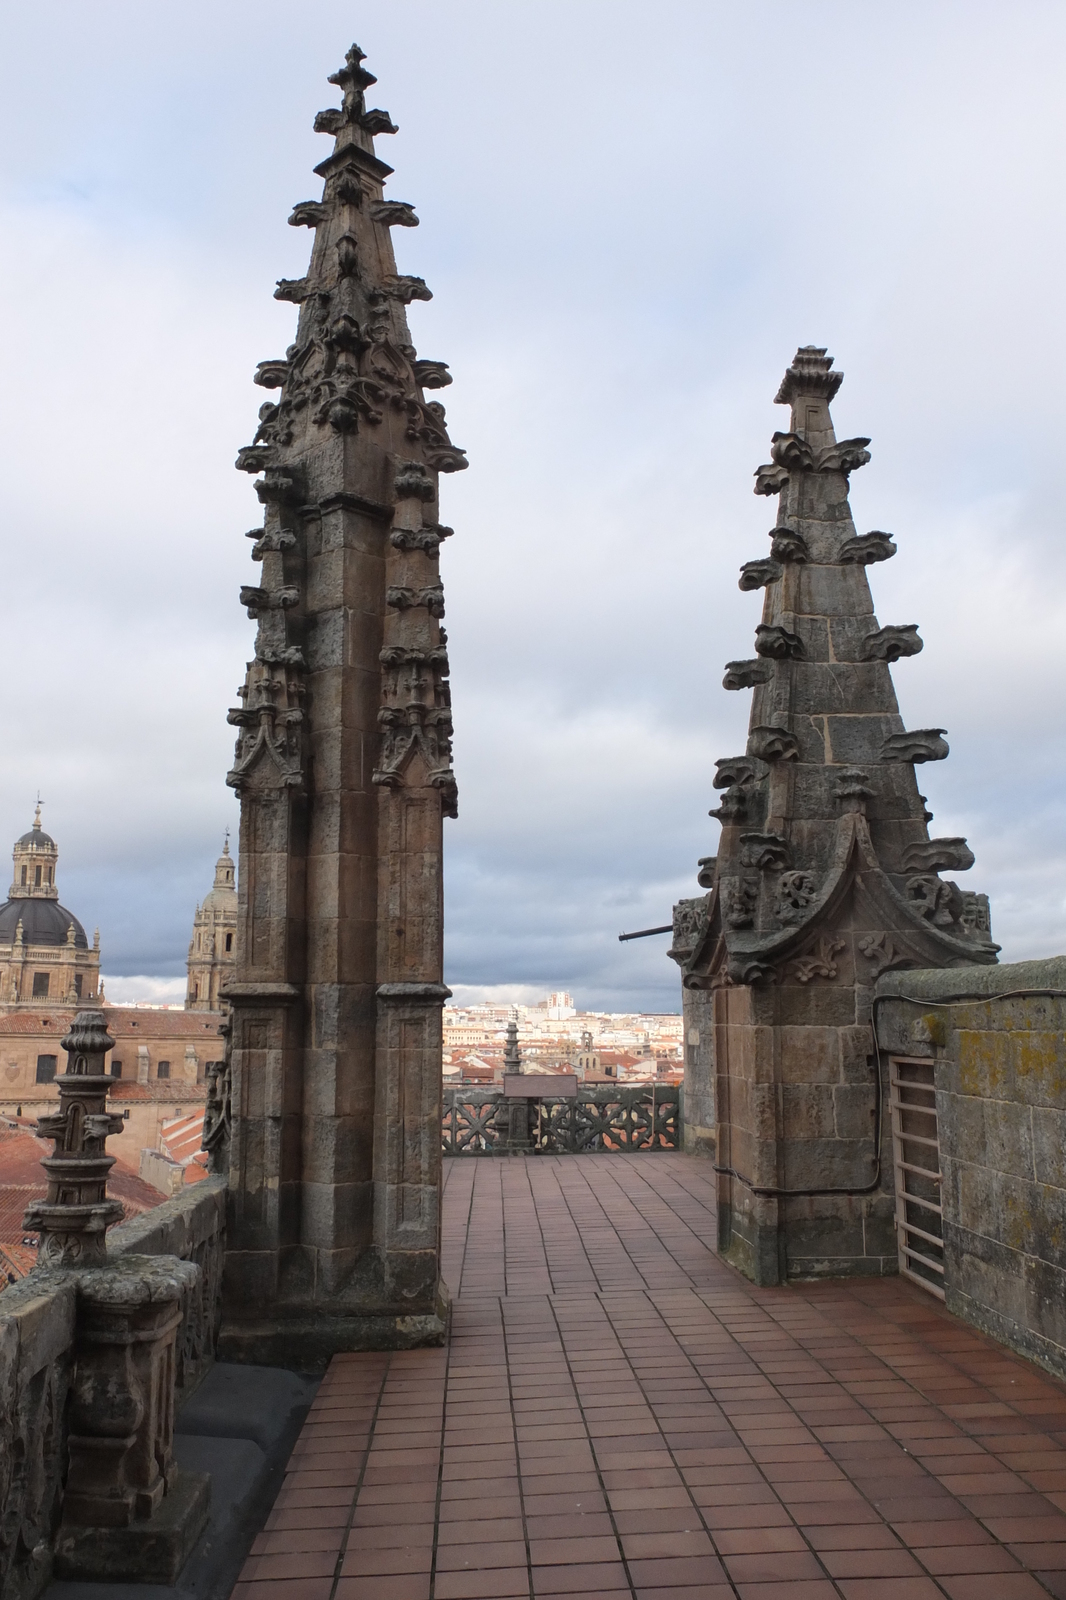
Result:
pixel 95 1345
pixel 479 1122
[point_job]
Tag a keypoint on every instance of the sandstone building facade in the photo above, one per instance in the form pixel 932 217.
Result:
pixel 44 954
pixel 160 1065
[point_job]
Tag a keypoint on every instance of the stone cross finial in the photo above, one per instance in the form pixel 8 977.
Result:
pixel 74 1217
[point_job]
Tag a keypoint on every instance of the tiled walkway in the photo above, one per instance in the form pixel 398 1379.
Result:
pixel 621 1414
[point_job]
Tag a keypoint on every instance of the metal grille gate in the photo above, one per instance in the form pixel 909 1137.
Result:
pixel 916 1157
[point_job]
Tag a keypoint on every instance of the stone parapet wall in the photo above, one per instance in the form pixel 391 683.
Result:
pixel 997 1040
pixel 37 1326
pixel 38 1351
pixel 698 1044
pixel 192 1227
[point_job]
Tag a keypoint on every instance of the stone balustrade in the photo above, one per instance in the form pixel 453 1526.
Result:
pixel 479 1121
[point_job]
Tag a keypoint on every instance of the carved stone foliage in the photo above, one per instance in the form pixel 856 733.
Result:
pixel 308 214
pixel 920 744
pixel 932 897
pixel 741 899
pixel 863 548
pixel 416 715
pixel 271 374
pixel 76 1212
pixel 690 925
pixel 705 875
pixel 269 753
pixel 730 770
pixel 402 597
pixel 819 963
pixel 759 574
pixel 882 953
pixel 790 452
pixel 413 482
pixel 427 539
pixel 810 373
pixel 975 918
pixel 746 969
pixel 938 855
pixel 746 674
pixel 394 213
pixel 406 289
pixel 773 744
pixel 892 642
pixel 733 806
pixel 432 374
pixel 778 643
pixel 796 891
pixel 767 851
pixel 218 1110
pixel 788 546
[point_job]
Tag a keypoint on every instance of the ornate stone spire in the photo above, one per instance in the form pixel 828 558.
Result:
pixel 73 1218
pixel 825 875
pixel 824 800
pixel 343 767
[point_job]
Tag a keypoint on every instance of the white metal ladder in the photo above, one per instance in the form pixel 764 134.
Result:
pixel 916 1158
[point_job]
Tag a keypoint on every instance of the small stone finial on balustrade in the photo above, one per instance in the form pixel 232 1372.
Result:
pixel 512 1059
pixel 72 1220
pixel 516 1114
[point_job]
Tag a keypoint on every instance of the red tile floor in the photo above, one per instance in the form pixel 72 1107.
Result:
pixel 621 1414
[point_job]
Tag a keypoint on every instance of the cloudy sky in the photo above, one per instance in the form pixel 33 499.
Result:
pixel 631 215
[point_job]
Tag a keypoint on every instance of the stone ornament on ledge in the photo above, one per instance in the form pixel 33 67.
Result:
pixel 128 1514
pixel 73 1218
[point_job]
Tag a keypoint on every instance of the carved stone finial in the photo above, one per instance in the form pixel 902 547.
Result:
pixel 76 1213
pixel 809 374
pixel 512 1057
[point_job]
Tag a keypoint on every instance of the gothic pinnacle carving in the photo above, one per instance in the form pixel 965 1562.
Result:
pixel 73 1218
pixel 820 800
pixel 343 765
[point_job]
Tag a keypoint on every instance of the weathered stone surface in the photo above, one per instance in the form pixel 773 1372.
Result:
pixel 849 889
pixel 343 766
pixel 996 1037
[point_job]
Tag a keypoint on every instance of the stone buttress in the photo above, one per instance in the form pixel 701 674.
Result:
pixel 825 878
pixel 328 1119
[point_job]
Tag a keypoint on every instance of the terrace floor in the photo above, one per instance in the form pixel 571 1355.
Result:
pixel 619 1413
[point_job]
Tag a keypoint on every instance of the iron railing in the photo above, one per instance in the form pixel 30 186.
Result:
pixel 646 1116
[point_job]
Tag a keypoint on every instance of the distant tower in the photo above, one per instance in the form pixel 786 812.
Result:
pixel 213 949
pixel 44 954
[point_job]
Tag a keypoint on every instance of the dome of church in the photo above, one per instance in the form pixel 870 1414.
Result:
pixel 222 896
pixel 43 922
pixel 37 839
